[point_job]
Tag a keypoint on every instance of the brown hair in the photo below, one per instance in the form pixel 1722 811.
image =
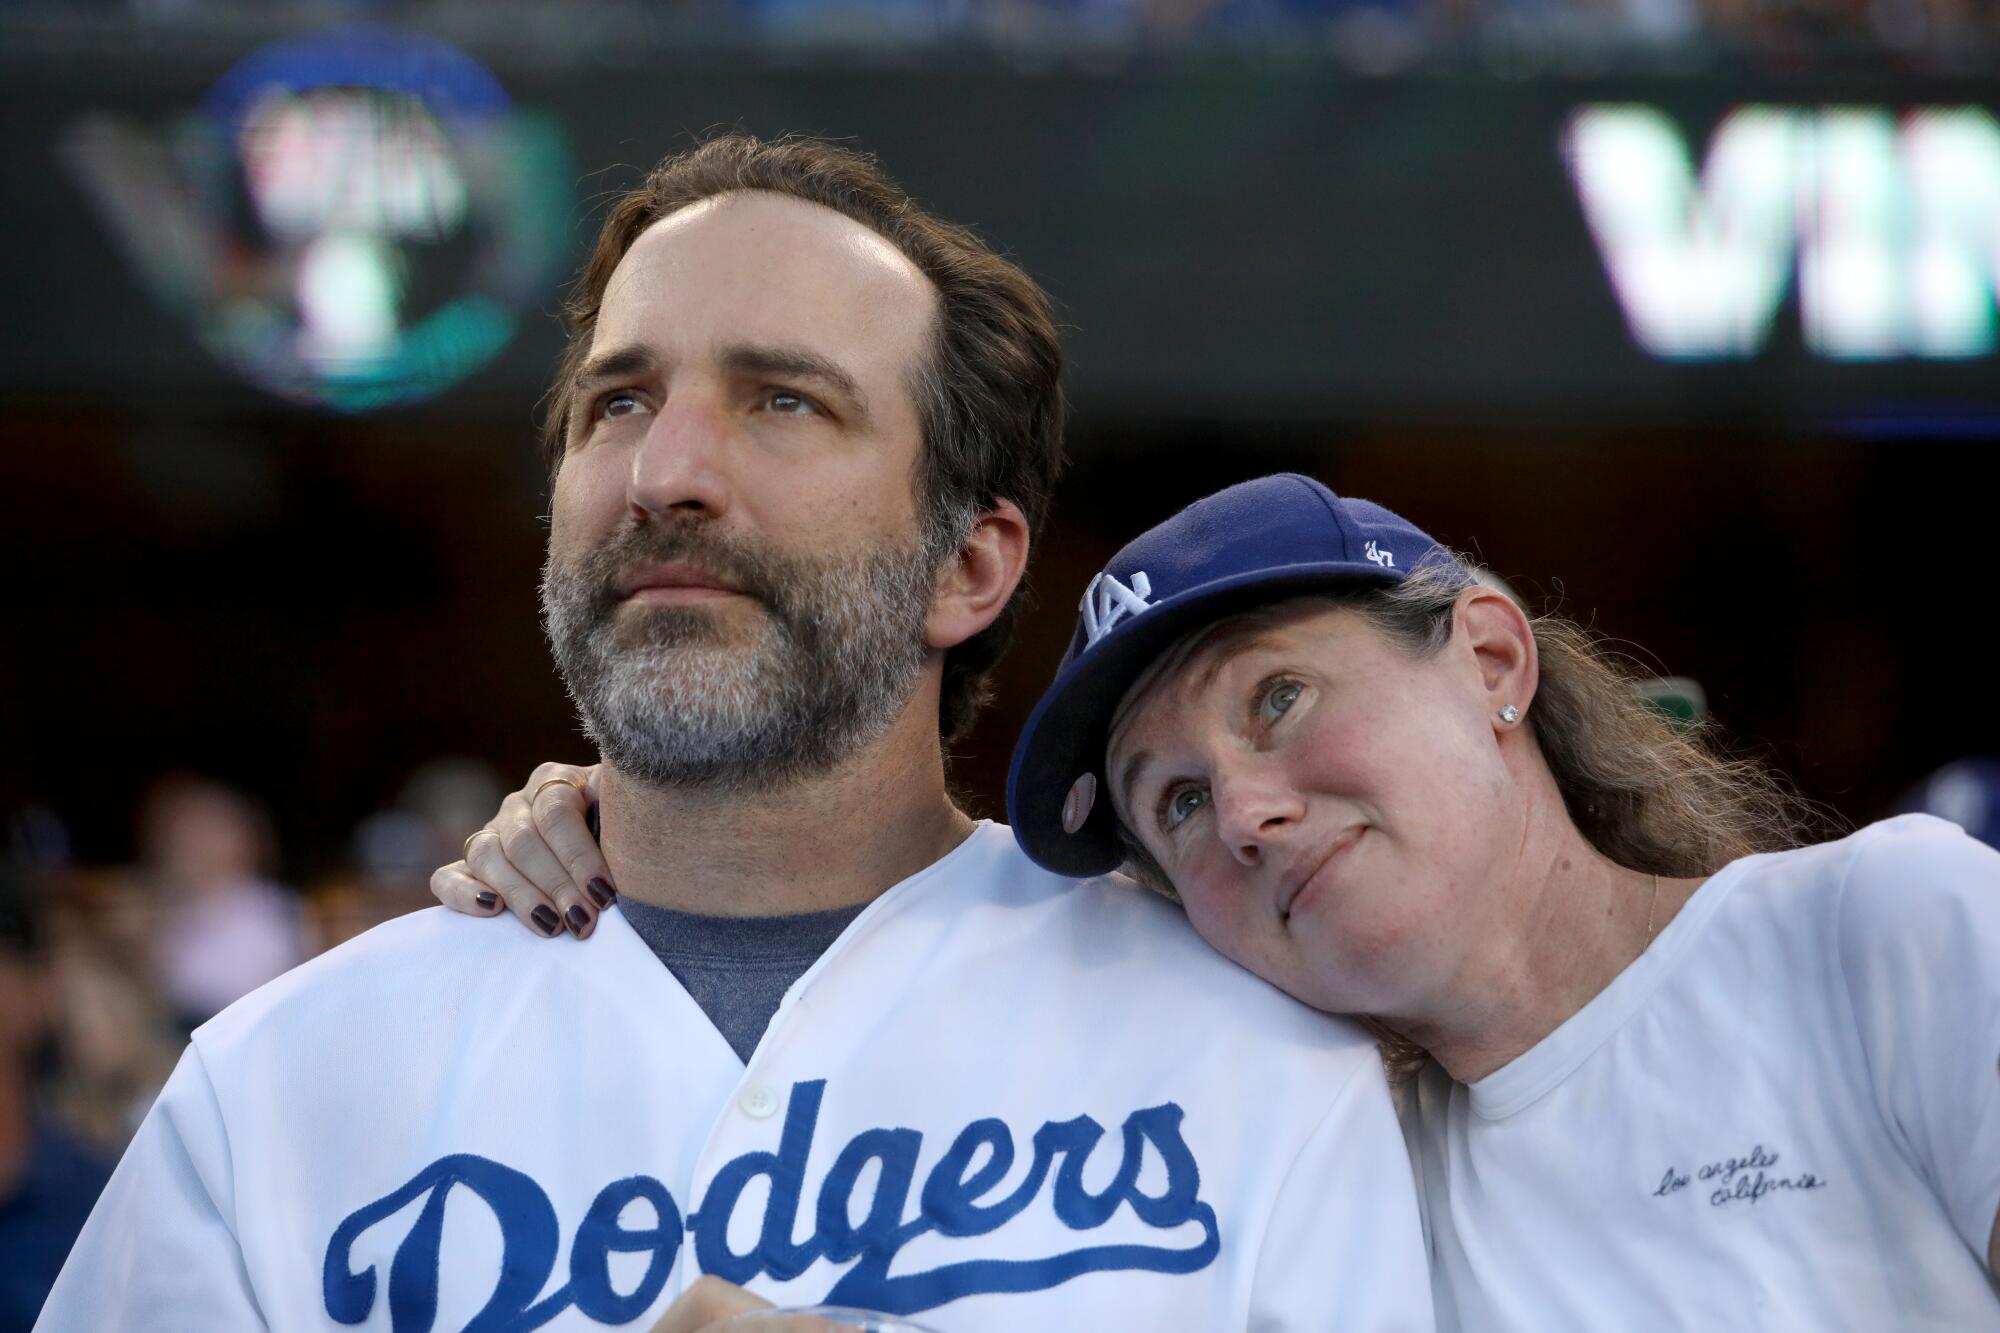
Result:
pixel 989 396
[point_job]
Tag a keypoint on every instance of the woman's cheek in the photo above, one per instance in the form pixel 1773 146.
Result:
pixel 1374 937
pixel 1211 914
pixel 1225 924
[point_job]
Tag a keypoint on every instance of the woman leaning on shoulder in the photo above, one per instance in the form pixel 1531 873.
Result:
pixel 1671 1069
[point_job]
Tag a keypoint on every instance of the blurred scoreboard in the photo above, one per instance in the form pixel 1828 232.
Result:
pixel 1884 225
pixel 1226 242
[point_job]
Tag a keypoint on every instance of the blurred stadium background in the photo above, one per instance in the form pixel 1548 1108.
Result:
pixel 1680 314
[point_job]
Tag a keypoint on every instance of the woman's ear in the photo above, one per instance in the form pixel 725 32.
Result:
pixel 973 586
pixel 1502 643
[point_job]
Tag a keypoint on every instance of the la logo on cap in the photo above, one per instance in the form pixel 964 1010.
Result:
pixel 1107 601
pixel 1082 796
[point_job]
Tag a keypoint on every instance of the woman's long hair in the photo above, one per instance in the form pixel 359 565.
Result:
pixel 1650 794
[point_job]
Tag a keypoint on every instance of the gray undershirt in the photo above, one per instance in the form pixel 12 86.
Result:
pixel 737 968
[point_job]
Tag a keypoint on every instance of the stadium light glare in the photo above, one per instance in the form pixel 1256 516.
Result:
pixel 352 219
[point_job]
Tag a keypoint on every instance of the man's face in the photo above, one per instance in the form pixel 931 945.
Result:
pixel 736 586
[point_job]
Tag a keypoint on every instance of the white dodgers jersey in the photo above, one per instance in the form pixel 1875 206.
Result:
pixel 1002 1101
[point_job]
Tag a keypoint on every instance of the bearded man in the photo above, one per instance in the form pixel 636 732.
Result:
pixel 836 1041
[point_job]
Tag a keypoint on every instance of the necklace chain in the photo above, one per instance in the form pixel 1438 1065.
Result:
pixel 1652 906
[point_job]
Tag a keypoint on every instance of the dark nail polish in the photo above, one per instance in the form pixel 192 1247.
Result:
pixel 545 919
pixel 487 899
pixel 579 921
pixel 601 891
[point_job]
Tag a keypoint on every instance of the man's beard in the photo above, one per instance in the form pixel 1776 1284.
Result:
pixel 673 698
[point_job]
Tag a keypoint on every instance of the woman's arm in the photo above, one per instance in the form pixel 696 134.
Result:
pixel 705 1304
pixel 537 856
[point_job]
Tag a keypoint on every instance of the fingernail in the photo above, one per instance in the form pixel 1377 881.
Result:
pixel 579 921
pixel 601 891
pixel 486 899
pixel 545 919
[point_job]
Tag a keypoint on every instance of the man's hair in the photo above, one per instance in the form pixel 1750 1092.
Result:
pixel 989 397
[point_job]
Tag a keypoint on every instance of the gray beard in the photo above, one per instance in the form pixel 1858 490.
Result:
pixel 673 698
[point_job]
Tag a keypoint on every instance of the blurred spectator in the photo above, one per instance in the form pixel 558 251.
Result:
pixel 110 1042
pixel 395 850
pixel 443 802
pixel 1965 791
pixel 225 929
pixel 115 1036
pixel 48 1181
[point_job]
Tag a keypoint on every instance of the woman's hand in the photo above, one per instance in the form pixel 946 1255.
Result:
pixel 537 856
pixel 710 1301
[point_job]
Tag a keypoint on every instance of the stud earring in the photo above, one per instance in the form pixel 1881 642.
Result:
pixel 1509 713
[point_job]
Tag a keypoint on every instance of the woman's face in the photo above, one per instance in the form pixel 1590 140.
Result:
pixel 1328 806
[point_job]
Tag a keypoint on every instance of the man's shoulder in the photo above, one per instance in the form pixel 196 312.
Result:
pixel 420 971
pixel 1113 935
pixel 991 867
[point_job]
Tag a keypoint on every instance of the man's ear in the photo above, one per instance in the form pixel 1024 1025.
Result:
pixel 1502 644
pixel 973 587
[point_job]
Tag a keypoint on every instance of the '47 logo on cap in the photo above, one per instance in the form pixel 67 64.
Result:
pixel 1107 601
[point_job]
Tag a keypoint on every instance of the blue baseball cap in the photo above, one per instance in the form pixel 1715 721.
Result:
pixel 1256 542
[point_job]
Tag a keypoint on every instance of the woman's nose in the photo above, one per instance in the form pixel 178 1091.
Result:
pixel 1256 813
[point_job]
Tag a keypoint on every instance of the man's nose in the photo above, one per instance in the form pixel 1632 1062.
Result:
pixel 682 464
pixel 1256 814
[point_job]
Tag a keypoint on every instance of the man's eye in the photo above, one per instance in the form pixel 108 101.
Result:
pixel 618 405
pixel 786 403
pixel 1180 804
pixel 1277 700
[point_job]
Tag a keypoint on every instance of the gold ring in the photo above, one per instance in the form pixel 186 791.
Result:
pixel 547 783
pixel 465 852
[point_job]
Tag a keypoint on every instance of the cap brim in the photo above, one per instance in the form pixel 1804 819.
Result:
pixel 1065 735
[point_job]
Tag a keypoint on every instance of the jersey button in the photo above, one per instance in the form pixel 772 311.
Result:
pixel 758 1102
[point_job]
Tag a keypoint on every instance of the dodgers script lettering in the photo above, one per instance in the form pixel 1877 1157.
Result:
pixel 952 1201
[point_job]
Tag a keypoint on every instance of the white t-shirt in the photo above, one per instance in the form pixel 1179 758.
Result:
pixel 1784 1115
pixel 1001 1101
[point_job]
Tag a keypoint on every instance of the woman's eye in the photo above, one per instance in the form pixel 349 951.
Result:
pixel 1279 696
pixel 1180 804
pixel 617 405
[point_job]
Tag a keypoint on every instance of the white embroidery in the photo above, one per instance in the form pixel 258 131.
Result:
pixel 1107 601
pixel 1379 556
